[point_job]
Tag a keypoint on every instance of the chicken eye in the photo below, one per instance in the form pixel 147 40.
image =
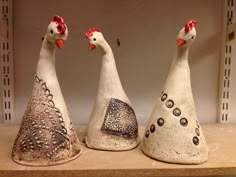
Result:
pixel 192 37
pixel 51 31
pixel 94 39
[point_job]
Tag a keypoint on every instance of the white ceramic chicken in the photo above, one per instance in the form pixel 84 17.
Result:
pixel 46 135
pixel 173 133
pixel 112 124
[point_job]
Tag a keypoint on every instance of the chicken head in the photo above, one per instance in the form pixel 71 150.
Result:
pixel 187 34
pixel 57 31
pixel 95 37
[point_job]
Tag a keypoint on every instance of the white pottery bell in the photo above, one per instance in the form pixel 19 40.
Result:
pixel 46 135
pixel 173 133
pixel 112 125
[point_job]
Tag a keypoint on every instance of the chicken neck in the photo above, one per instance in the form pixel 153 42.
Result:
pixel 47 72
pixel 178 83
pixel 109 82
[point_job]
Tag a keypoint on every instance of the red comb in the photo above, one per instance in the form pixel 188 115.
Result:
pixel 189 25
pixel 89 33
pixel 57 19
pixel 60 22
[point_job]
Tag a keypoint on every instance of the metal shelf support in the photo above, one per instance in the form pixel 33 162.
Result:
pixel 7 114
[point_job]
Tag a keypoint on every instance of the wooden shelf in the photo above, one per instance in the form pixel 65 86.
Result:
pixel 222 159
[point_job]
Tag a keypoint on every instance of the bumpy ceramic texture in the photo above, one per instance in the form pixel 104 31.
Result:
pixel 173 133
pixel 112 124
pixel 46 136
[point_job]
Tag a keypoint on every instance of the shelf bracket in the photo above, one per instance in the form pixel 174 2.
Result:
pixel 7 107
pixel 225 82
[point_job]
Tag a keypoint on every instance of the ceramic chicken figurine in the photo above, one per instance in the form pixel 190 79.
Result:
pixel 112 124
pixel 46 135
pixel 173 133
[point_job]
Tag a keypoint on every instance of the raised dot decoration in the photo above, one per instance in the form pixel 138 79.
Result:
pixel 195 140
pixel 169 103
pixel 147 134
pixel 164 97
pixel 183 122
pixel 197 132
pixel 160 122
pixel 152 128
pixel 177 112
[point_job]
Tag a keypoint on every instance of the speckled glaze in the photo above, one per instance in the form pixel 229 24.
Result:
pixel 112 124
pixel 173 133
pixel 46 136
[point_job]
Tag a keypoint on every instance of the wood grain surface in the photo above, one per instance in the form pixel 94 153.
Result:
pixel 221 139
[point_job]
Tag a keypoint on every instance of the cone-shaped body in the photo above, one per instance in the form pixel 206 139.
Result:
pixel 46 135
pixel 173 133
pixel 112 124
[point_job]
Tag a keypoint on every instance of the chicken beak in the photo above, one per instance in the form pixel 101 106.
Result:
pixel 92 46
pixel 181 42
pixel 60 43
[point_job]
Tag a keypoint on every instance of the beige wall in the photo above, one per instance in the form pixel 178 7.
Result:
pixel 147 31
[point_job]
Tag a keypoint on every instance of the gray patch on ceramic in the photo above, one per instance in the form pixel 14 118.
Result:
pixel 183 122
pixel 147 133
pixel 169 103
pixel 152 128
pixel 177 112
pixel 197 132
pixel 197 123
pixel 42 134
pixel 160 121
pixel 164 97
pixel 120 120
pixel 195 140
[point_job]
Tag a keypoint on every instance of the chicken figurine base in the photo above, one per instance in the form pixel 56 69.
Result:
pixel 173 133
pixel 112 125
pixel 46 136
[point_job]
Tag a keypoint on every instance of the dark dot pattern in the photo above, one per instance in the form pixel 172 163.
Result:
pixel 164 97
pixel 152 128
pixel 160 122
pixel 183 122
pixel 197 132
pixel 120 120
pixel 169 103
pixel 195 140
pixel 177 112
pixel 147 134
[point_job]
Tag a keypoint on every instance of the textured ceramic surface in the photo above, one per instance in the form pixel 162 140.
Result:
pixel 46 135
pixel 112 124
pixel 173 133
